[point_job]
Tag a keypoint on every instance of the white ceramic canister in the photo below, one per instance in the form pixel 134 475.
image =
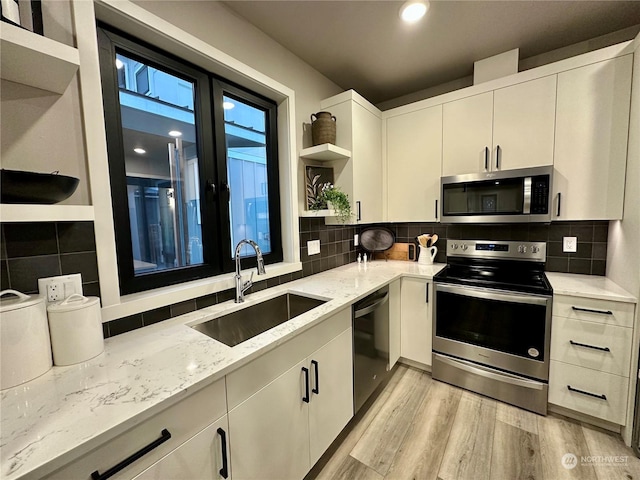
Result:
pixel 25 350
pixel 76 329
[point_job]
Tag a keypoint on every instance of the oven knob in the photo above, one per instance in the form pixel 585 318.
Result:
pixel 522 249
pixel 535 249
pixel 454 246
pixel 465 246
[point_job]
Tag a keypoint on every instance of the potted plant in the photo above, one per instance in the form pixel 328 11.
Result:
pixel 333 198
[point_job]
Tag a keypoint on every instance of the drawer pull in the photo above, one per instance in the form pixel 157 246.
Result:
pixel 224 471
pixel 595 395
pixel 603 349
pixel 165 435
pixel 601 312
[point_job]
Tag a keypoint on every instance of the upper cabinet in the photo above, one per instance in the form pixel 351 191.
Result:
pixel 592 125
pixel 413 165
pixel 509 128
pixel 359 130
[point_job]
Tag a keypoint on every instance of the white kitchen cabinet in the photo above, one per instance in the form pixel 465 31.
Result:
pixel 183 421
pixel 395 312
pixel 592 125
pixel 509 128
pixel 591 356
pixel 416 320
pixel 467 135
pixel 275 432
pixel 359 130
pixel 414 162
pixel 205 456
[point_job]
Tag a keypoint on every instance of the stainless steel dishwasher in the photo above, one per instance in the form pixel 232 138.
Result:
pixel 370 344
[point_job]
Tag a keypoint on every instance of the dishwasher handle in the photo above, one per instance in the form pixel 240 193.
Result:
pixel 370 308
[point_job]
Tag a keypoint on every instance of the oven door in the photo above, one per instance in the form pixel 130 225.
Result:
pixel 506 330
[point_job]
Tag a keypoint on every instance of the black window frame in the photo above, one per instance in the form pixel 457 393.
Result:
pixel 212 163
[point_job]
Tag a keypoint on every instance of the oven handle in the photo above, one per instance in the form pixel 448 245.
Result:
pixel 489 294
pixel 490 373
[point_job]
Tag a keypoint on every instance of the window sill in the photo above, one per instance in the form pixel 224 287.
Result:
pixel 162 297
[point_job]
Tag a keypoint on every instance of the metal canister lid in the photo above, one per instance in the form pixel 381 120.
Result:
pixel 17 301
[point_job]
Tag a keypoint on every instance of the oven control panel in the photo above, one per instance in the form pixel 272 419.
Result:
pixel 531 251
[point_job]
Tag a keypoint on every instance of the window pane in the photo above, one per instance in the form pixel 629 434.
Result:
pixel 245 133
pixel 161 162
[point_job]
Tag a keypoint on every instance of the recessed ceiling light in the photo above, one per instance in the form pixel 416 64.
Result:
pixel 413 10
pixel 139 150
pixel 175 133
pixel 228 105
pixel 119 63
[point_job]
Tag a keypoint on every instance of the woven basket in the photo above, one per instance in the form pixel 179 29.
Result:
pixel 323 128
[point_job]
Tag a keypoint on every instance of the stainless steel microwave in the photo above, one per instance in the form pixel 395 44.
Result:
pixel 511 196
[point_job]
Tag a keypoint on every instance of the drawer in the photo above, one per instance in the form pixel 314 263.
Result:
pixel 613 387
pixel 183 420
pixel 585 344
pixel 593 310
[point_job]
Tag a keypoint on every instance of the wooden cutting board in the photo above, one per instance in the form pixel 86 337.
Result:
pixel 398 251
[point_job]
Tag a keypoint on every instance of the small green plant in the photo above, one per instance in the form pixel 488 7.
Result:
pixel 338 199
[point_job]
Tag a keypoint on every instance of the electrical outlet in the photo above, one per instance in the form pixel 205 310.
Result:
pixel 55 289
pixel 313 247
pixel 356 240
pixel 569 244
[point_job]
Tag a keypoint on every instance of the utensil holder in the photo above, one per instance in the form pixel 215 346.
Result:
pixel 427 255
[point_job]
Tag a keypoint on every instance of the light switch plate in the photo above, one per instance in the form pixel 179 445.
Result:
pixel 356 240
pixel 313 247
pixel 569 244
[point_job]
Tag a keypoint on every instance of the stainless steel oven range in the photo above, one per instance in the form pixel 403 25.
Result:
pixel 492 321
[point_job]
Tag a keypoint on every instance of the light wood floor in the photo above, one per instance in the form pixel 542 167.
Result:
pixel 419 428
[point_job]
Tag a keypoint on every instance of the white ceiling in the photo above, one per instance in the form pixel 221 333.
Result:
pixel 365 46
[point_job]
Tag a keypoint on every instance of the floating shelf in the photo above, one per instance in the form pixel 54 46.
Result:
pixel 36 61
pixel 45 213
pixel 317 213
pixel 325 152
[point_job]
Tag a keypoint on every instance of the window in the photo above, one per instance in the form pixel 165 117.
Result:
pixel 192 163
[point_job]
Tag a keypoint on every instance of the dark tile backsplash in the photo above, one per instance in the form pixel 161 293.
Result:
pixel 31 251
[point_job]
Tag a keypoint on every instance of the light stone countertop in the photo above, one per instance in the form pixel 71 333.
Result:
pixel 589 286
pixel 65 413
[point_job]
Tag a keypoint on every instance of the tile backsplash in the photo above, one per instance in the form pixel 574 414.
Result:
pixel 29 251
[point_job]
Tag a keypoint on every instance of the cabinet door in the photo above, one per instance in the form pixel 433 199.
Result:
pixel 201 457
pixel 269 432
pixel 414 158
pixel 367 165
pixel 331 408
pixel 415 323
pixel 592 123
pixel 523 124
pixel 395 311
pixel 466 132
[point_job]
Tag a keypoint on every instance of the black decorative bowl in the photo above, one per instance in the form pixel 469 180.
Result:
pixel 31 187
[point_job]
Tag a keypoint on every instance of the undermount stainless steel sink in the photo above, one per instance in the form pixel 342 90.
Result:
pixel 236 327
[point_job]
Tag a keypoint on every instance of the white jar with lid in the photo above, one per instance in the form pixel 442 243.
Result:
pixel 76 329
pixel 25 350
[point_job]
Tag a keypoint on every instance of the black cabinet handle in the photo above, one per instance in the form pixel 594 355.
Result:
pixel 359 210
pixel 224 471
pixel 585 345
pixel 306 384
pixel 486 158
pixel 498 157
pixel 436 209
pixel 427 296
pixel 559 201
pixel 595 395
pixel 601 312
pixel 165 435
pixel 316 390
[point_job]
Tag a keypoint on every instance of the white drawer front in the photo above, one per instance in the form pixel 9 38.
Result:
pixel 584 344
pixel 602 311
pixel 613 387
pixel 183 420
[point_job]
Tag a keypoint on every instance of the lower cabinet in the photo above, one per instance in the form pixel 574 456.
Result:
pixel 205 456
pixel 415 319
pixel 296 407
